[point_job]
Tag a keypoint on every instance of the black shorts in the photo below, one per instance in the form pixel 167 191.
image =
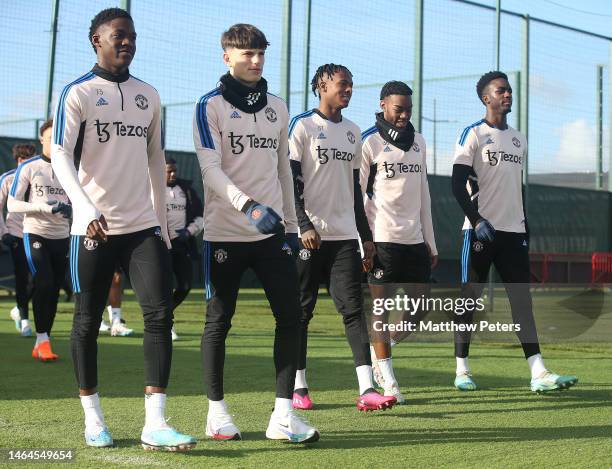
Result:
pixel 400 263
pixel 509 252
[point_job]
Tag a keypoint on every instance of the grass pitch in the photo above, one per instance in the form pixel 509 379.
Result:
pixel 503 424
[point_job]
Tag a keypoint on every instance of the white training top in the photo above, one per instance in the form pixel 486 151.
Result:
pixel 400 208
pixel 497 157
pixel 328 153
pixel 110 129
pixel 36 177
pixel 14 221
pixel 242 156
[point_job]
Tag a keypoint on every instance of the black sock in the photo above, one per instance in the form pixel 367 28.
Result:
pixel 302 392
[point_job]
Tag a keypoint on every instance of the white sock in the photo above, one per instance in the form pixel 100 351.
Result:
pixel 392 343
pixel 364 377
pixel 114 314
pixel 300 379
pixel 94 419
pixel 41 337
pixel 282 406
pixel 155 410
pixel 217 407
pixel 462 366
pixel 25 323
pixel 536 365
pixel 386 368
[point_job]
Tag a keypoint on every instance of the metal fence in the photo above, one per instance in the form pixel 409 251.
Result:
pixel 561 76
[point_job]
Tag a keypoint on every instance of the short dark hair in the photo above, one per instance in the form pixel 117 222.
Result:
pixel 329 70
pixel 395 87
pixel 244 36
pixel 486 79
pixel 23 150
pixel 47 124
pixel 170 160
pixel 104 17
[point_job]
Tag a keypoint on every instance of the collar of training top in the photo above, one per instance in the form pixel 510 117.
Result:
pixel 103 73
pixel 402 138
pixel 246 99
pixel 323 116
pixel 44 158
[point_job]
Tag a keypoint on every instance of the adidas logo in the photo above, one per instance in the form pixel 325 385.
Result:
pixel 235 115
pixel 387 148
pixel 102 102
pixel 321 136
pixel 489 141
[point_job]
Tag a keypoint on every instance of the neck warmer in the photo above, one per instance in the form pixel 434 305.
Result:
pixel 246 99
pixel 402 138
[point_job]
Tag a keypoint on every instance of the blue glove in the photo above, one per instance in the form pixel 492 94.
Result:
pixel 291 241
pixel 183 235
pixel 8 240
pixel 262 217
pixel 64 209
pixel 484 230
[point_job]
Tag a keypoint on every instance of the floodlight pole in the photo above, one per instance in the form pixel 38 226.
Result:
pixel 417 104
pixel 54 15
pixel 306 77
pixel 497 33
pixel 126 5
pixel 285 78
pixel 599 128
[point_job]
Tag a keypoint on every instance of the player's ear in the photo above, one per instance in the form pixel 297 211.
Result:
pixel 95 40
pixel 382 104
pixel 322 87
pixel 226 59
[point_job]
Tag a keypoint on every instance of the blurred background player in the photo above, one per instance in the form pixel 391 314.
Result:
pixel 11 232
pixel 108 127
pixel 116 324
pixel 240 137
pixel 325 152
pixel 185 221
pixel 398 207
pixel 487 183
pixel 37 193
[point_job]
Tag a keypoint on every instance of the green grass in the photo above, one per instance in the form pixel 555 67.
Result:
pixel 503 424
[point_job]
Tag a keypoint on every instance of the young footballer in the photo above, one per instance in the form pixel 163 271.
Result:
pixel 108 155
pixel 11 232
pixel 398 207
pixel 325 151
pixel 37 193
pixel 240 137
pixel 184 212
pixel 487 183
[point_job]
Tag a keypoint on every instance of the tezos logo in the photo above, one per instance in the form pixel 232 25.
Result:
pixel 36 245
pixel 141 101
pixel 494 157
pixel 378 274
pixel 90 244
pixel 415 147
pixel 304 254
pixel 351 137
pixel 220 256
pixel 118 128
pixel 478 246
pixel 516 142
pixel 271 114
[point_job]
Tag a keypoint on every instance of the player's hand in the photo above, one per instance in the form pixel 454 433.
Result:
pixel 64 209
pixel 484 230
pixel 433 258
pixel 183 235
pixel 291 240
pixel 369 251
pixel 311 239
pixel 96 229
pixel 264 218
pixel 8 239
